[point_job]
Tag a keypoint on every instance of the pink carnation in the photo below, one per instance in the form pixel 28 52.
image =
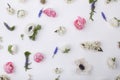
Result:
pixel 49 12
pixel 79 23
pixel 38 57
pixel 9 67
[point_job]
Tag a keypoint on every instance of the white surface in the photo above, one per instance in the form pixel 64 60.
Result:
pixel 47 40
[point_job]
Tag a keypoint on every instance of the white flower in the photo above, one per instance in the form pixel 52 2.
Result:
pixel 12 49
pixel 95 46
pixel 68 1
pixel 118 77
pixel 22 0
pixel 111 62
pixel 58 70
pixel 4 77
pixel 113 22
pixel 65 49
pixel 29 30
pixel 10 10
pixel 21 13
pixel 82 66
pixel 61 30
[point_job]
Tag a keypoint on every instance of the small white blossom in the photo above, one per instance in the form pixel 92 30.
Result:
pixel 111 62
pixel 29 30
pixel 65 49
pixel 12 49
pixel 4 77
pixel 10 10
pixel 113 22
pixel 118 77
pixel 58 70
pixel 21 13
pixel 69 1
pixel 92 46
pixel 61 30
pixel 82 66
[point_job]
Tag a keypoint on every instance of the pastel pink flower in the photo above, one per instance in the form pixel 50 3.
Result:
pixel 79 23
pixel 9 67
pixel 49 12
pixel 38 57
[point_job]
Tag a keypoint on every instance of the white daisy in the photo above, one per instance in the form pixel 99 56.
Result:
pixel 29 30
pixel 111 62
pixel 82 66
pixel 21 13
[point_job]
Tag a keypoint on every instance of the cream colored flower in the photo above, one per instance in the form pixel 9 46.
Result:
pixel 69 1
pixel 4 77
pixel 12 49
pixel 111 62
pixel 29 30
pixel 21 13
pixel 114 22
pixel 58 70
pixel 65 49
pixel 10 10
pixel 82 66
pixel 118 77
pixel 61 30
pixel 95 46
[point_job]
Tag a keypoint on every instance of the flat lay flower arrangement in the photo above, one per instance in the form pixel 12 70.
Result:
pixel 59 40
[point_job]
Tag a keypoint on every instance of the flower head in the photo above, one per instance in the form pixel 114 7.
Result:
pixel 79 23
pixel 114 22
pixel 111 62
pixel 95 46
pixel 118 77
pixel 61 31
pixel 65 49
pixel 38 57
pixel 10 10
pixel 4 77
pixel 49 12
pixel 9 67
pixel 29 30
pixel 12 49
pixel 82 66
pixel 21 13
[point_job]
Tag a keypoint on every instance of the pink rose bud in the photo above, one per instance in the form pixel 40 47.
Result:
pixel 79 23
pixel 49 12
pixel 9 67
pixel 38 57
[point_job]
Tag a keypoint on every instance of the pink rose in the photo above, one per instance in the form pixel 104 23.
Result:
pixel 49 12
pixel 38 57
pixel 9 67
pixel 79 23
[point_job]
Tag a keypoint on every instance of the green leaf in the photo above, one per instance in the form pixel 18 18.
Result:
pixel 33 37
pixel 27 53
pixel 90 1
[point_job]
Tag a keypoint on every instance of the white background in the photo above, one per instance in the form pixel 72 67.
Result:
pixel 47 40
